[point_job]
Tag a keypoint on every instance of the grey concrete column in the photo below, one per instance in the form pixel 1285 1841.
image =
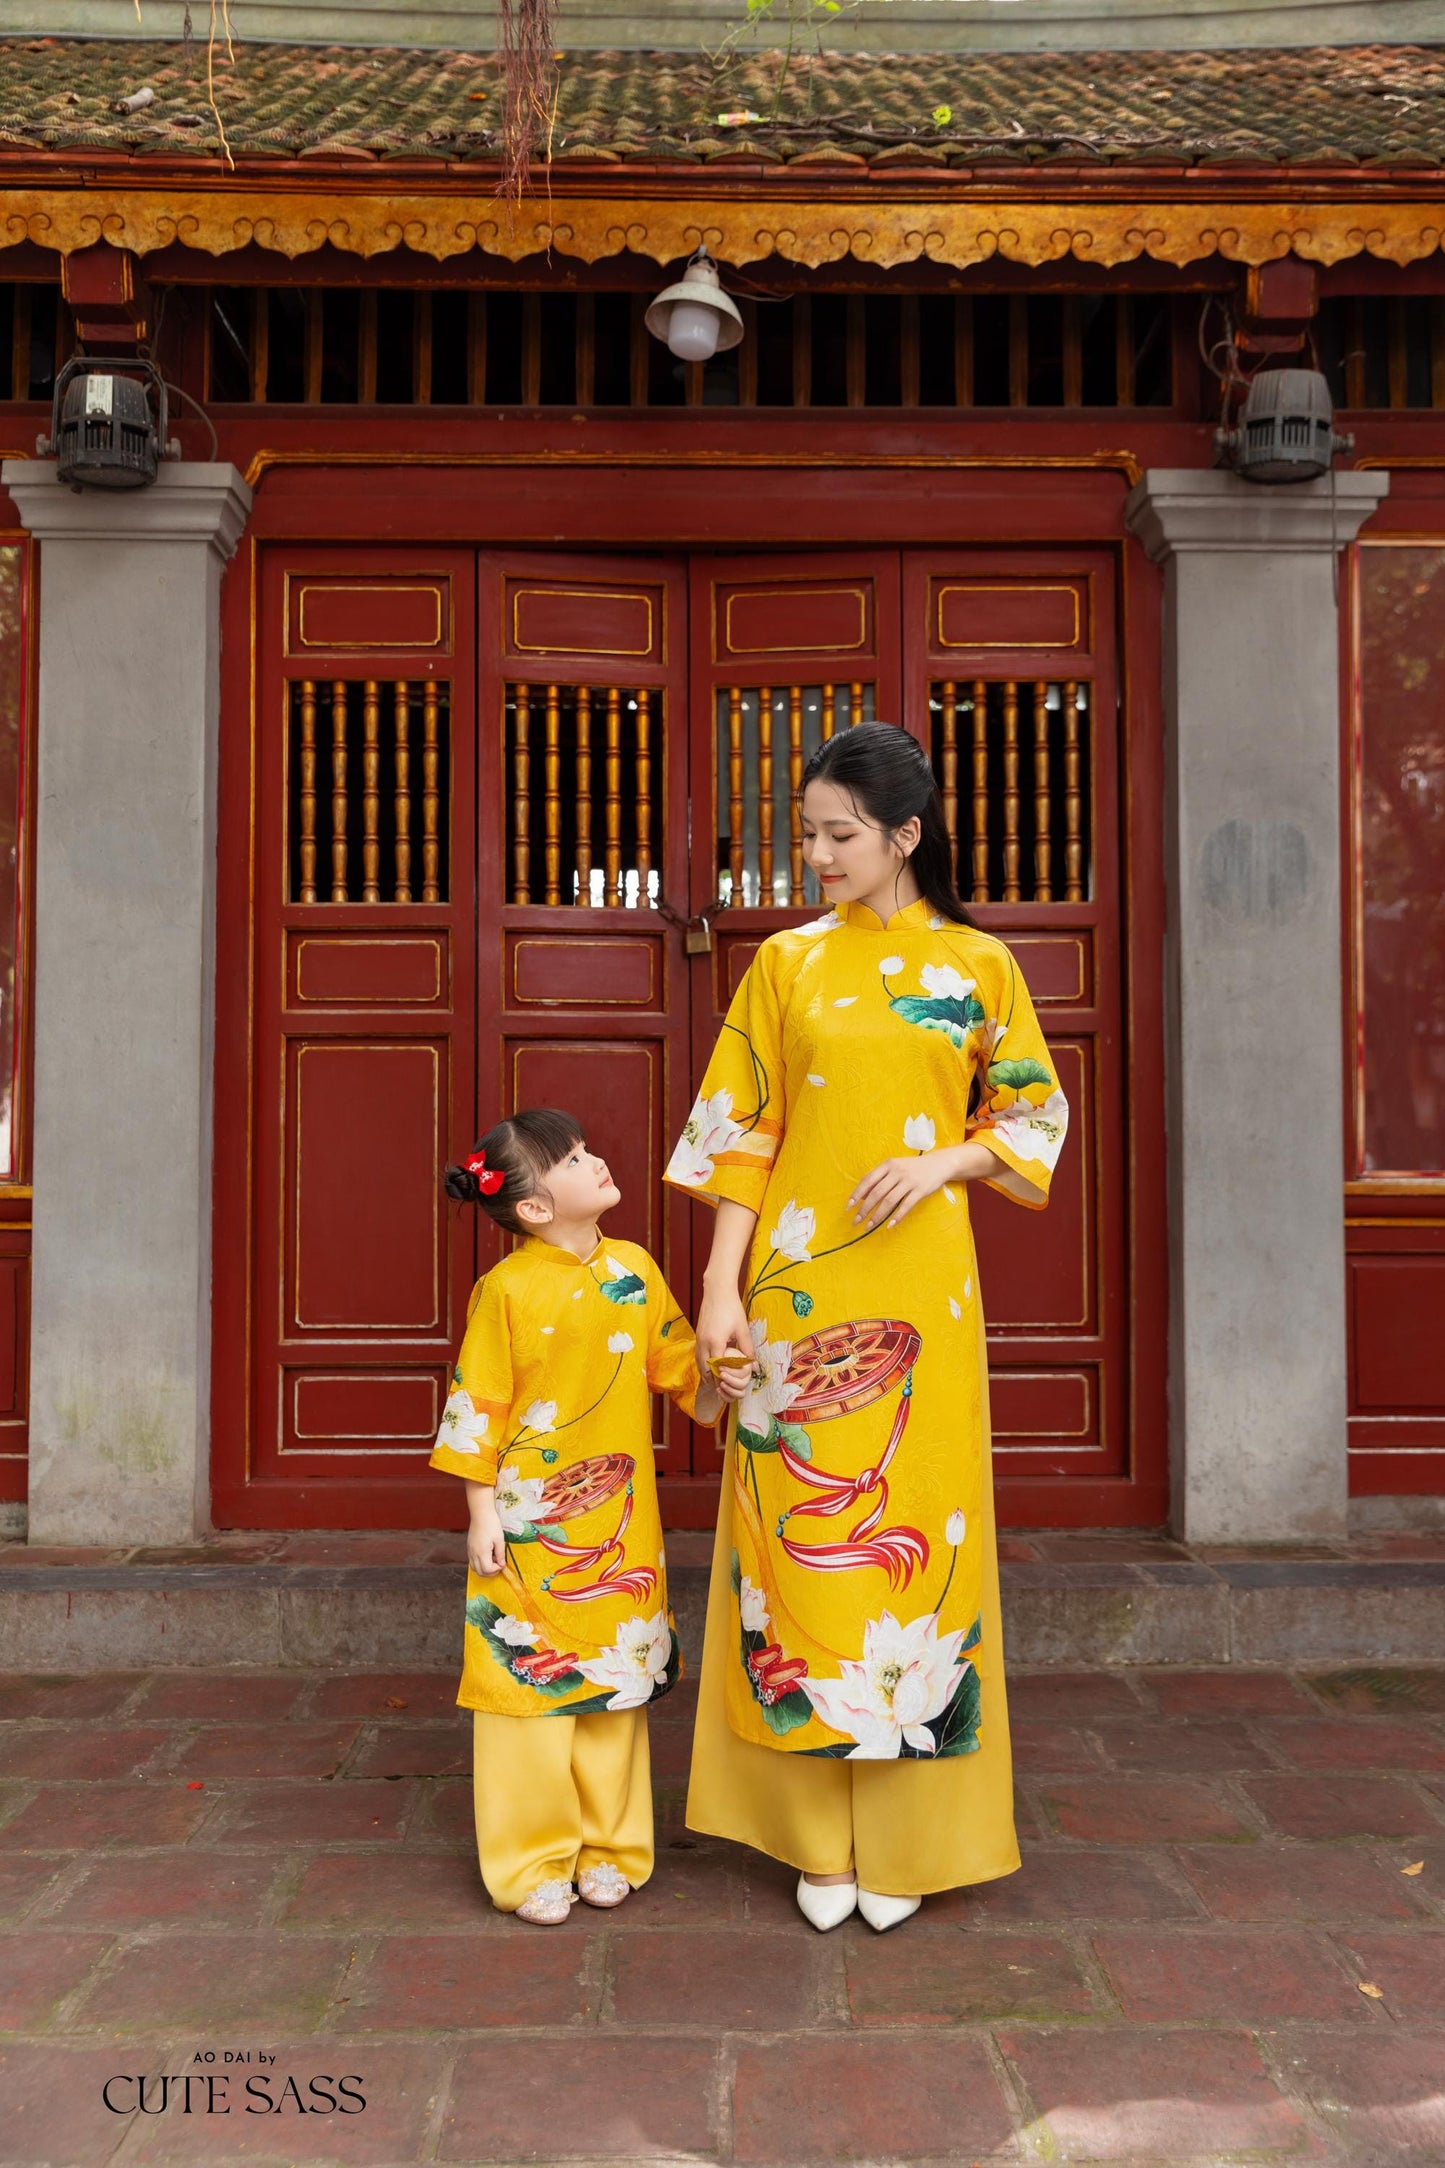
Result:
pixel 129 635
pixel 1255 1000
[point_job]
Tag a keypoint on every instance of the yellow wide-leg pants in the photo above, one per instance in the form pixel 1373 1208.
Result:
pixel 904 1828
pixel 555 1794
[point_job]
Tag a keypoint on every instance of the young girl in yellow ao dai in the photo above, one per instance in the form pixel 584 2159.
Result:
pixel 568 1633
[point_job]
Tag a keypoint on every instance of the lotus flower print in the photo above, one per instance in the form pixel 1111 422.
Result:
pixel 541 1415
pixel 635 1665
pixel 518 1500
pixel 919 1133
pixel 944 983
pixel 794 1231
pixel 709 1130
pixel 1034 1132
pixel 889 964
pixel 955 1527
pixel 518 1633
pixel 619 1343
pixel 908 1676
pixel 769 1395
pixel 751 1607
pixel 463 1426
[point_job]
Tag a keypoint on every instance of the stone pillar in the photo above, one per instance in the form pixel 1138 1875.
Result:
pixel 1255 996
pixel 129 642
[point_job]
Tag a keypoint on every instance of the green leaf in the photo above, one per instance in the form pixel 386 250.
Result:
pixel 628 1289
pixel 592 1706
pixel 943 1012
pixel 527 1533
pixel 802 1304
pixel 942 115
pixel 957 1729
pixel 751 1442
pixel 1013 1075
pixel 668 1323
pixel 975 1634
pixel 481 1614
pixel 736 1574
pixel 786 1713
pixel 799 1444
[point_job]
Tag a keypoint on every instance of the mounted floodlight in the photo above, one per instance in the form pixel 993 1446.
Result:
pixel 695 318
pixel 105 432
pixel 1286 429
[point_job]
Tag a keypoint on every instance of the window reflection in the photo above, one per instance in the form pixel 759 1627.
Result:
pixel 1402 859
pixel 9 844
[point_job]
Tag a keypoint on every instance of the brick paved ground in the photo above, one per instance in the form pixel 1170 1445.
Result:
pixel 282 1863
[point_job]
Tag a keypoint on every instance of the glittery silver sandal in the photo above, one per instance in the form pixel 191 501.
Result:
pixel 604 1885
pixel 548 1905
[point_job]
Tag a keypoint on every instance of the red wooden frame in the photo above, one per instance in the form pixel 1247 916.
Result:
pixel 15 1190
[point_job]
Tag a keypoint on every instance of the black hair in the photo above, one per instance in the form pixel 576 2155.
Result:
pixel 524 1147
pixel 890 779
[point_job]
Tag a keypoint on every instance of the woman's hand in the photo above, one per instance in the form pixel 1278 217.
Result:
pixel 486 1540
pixel 895 1186
pixel 723 1329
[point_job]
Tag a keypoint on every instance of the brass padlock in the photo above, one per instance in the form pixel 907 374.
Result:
pixel 697 938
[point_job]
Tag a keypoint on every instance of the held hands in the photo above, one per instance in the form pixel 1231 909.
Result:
pixel 895 1186
pixel 725 1341
pixel 486 1542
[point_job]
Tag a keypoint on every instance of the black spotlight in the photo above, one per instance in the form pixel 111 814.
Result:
pixel 108 423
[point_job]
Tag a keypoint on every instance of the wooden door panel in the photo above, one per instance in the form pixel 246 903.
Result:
pixel 353 1279
pixel 1041 1275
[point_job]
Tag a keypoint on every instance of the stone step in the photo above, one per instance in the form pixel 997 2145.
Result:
pixel 342 1602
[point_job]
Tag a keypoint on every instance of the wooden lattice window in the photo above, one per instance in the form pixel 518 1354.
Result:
pixel 585 794
pixel 765 737
pixel 498 347
pixel 368 790
pixel 1012 760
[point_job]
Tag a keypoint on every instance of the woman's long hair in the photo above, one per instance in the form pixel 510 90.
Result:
pixel 889 777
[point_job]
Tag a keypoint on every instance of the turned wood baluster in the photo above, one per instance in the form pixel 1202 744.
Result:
pixel 584 794
pixel 339 892
pixel 1073 800
pixel 980 791
pixel 308 790
pixel 765 795
pixel 795 785
pixel 522 798
pixel 1012 892
pixel 612 849
pixel 402 725
pixel 948 693
pixel 830 711
pixel 736 805
pixel 1043 808
pixel 371 792
pixel 430 795
pixel 552 796
pixel 644 793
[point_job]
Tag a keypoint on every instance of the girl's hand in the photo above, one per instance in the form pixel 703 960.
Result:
pixel 486 1540
pixel 895 1186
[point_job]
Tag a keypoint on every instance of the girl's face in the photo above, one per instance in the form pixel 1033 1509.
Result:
pixel 580 1188
pixel 853 859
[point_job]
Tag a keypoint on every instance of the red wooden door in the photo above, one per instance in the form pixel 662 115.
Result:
pixel 488 795
pixel 341 1280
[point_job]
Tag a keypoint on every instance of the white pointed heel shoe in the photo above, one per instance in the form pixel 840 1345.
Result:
pixel 886 1912
pixel 826 1904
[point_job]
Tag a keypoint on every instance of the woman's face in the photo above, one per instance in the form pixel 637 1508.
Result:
pixel 852 858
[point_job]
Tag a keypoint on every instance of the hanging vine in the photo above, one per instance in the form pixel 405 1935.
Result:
pixel 526 36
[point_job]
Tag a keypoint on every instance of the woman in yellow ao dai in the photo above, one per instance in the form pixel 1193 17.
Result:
pixel 854 1604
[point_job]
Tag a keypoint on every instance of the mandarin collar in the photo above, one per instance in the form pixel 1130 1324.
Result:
pixel 913 915
pixel 553 1253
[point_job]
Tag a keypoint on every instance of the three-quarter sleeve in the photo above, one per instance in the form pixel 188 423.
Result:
pixel 1022 1113
pixel 671 1347
pixel 731 1137
pixel 474 1419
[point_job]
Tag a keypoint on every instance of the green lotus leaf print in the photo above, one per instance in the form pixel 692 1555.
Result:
pixel 955 1017
pixel 802 1303
pixel 1014 1075
pixel 623 1286
pixel 514 1642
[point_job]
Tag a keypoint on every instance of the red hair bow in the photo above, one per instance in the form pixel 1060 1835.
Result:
pixel 489 1179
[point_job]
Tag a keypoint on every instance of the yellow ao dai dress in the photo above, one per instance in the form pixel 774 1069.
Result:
pixel 551 1403
pixel 854 1605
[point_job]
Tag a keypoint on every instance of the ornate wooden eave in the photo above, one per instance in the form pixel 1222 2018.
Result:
pixel 810 215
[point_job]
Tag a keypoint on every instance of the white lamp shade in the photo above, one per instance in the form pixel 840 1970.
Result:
pixel 695 317
pixel 692 329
